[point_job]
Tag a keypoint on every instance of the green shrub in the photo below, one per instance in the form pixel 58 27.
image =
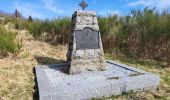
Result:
pixel 22 24
pixel 62 26
pixel 8 43
pixel 35 28
pixel 56 29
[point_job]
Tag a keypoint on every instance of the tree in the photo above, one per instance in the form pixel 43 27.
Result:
pixel 30 19
pixel 17 14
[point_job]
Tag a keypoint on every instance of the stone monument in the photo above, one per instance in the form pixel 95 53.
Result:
pixel 85 51
pixel 90 75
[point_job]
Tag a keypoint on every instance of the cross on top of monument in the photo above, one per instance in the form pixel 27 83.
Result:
pixel 83 5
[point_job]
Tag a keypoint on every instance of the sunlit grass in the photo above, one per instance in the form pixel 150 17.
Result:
pixel 8 43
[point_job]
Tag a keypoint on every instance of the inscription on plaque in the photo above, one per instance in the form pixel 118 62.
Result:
pixel 87 39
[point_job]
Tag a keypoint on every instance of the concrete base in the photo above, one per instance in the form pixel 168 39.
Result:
pixel 53 84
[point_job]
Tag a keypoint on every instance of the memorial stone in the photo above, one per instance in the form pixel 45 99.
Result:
pixel 85 51
pixel 85 56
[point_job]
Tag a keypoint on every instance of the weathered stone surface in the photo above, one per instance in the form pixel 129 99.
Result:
pixel 53 84
pixel 85 45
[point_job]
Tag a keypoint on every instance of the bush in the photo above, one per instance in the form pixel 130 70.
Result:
pixel 8 43
pixel 35 28
pixel 56 30
pixel 144 34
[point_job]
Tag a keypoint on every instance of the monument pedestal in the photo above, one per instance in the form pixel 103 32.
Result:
pixel 85 51
pixel 53 84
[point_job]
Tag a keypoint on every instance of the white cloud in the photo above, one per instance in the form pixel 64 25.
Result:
pixel 139 3
pixel 108 12
pixel 159 4
pixel 36 9
pixel 49 5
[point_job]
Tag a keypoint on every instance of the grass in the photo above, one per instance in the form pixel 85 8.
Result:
pixel 17 82
pixel 8 43
pixel 35 28
pixel 17 77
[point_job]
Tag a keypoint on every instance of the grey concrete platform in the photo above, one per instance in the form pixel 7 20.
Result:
pixel 53 84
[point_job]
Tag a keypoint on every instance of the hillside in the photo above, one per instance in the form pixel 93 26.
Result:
pixel 17 79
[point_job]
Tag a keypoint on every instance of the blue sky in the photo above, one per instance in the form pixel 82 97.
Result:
pixel 50 9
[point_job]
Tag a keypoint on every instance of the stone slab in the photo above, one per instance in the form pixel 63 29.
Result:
pixel 53 84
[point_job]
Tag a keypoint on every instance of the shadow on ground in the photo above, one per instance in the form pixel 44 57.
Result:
pixel 46 60
pixel 36 93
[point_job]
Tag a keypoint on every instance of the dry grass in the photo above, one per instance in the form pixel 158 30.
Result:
pixel 17 80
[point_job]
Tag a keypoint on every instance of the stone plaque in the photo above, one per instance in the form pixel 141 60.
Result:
pixel 87 39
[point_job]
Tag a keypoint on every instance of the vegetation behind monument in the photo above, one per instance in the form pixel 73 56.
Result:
pixel 143 34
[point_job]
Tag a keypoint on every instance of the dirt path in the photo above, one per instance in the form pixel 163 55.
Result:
pixel 16 73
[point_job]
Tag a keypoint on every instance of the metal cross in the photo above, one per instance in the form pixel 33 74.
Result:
pixel 83 5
